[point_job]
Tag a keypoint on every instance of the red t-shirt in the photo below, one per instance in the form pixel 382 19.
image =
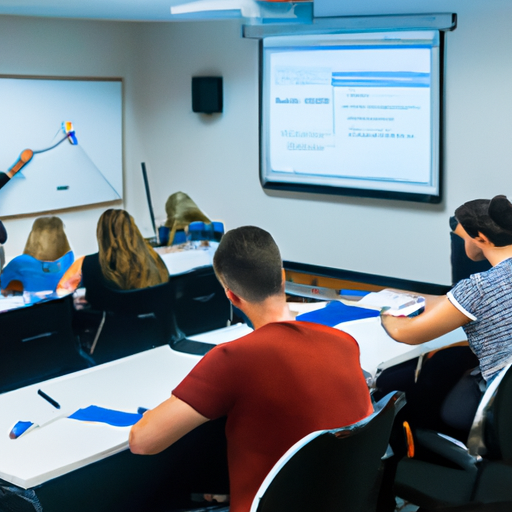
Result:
pixel 276 385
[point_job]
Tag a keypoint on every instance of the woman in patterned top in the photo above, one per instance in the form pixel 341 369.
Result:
pixel 481 304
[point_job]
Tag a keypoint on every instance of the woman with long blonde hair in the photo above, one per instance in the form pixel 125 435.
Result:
pixel 124 260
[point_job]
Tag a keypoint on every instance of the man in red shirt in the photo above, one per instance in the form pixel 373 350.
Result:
pixel 275 385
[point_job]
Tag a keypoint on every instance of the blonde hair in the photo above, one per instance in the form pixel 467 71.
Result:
pixel 181 211
pixel 47 240
pixel 125 257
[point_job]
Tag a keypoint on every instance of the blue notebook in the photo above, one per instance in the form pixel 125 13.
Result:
pixel 335 313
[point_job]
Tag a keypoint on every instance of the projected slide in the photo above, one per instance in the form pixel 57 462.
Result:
pixel 68 175
pixel 358 113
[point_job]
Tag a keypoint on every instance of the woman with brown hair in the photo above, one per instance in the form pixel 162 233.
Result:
pixel 124 261
pixel 127 261
pixel 47 255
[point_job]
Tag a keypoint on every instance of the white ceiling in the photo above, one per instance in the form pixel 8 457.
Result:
pixel 132 10
pixel 140 10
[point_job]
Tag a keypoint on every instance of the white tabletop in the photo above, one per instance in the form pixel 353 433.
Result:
pixel 180 261
pixel 379 351
pixel 223 335
pixel 141 380
pixel 11 302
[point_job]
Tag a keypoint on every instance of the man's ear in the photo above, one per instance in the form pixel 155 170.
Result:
pixel 233 298
pixel 483 239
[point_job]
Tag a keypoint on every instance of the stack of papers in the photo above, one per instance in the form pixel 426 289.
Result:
pixel 399 303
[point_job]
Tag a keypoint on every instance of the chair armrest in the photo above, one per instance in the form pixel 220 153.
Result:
pixel 448 448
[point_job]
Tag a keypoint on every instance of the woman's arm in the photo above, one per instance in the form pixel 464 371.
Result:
pixel 440 317
pixel 70 281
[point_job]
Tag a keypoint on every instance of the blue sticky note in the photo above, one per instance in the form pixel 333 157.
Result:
pixel 335 313
pixel 110 416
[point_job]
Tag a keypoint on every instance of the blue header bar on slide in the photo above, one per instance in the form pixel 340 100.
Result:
pixel 380 79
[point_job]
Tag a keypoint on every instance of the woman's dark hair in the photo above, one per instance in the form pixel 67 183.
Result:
pixel 492 218
pixel 249 263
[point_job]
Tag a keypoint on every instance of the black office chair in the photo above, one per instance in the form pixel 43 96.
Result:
pixel 447 474
pixel 332 470
pixel 37 343
pixel 200 302
pixel 131 321
pixel 127 321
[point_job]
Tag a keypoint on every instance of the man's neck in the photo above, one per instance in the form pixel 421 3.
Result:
pixel 496 255
pixel 272 309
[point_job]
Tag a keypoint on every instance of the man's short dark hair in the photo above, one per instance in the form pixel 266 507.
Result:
pixel 492 218
pixel 249 263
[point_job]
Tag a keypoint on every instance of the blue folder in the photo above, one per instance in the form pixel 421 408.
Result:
pixel 335 313
pixel 110 416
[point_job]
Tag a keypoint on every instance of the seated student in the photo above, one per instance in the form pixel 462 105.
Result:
pixel 45 259
pixel 279 383
pixel 480 304
pixel 441 370
pixel 181 211
pixel 124 261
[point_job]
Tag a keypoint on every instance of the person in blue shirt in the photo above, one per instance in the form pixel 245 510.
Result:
pixel 45 259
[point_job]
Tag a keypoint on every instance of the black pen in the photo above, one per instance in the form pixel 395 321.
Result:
pixel 48 399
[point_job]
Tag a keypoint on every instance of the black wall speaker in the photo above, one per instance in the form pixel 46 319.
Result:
pixel 207 94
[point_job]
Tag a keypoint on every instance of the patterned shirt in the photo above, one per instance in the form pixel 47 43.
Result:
pixel 486 299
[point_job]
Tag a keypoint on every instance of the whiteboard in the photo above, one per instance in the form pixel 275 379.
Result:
pixel 32 111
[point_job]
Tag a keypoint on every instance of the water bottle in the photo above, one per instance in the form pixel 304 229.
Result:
pixel 218 231
pixel 195 233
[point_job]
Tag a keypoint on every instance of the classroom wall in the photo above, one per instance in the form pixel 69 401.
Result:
pixel 215 158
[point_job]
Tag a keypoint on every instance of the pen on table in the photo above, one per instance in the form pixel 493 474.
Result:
pixel 49 399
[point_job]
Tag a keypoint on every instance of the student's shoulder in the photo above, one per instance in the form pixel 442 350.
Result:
pixel 21 261
pixel 498 275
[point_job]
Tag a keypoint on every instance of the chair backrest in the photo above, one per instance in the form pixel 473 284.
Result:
pixel 189 303
pixel 332 470
pixel 491 432
pixel 200 303
pixel 130 302
pixel 136 320
pixel 37 343
pixel 499 430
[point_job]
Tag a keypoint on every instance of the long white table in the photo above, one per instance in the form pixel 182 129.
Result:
pixel 141 380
